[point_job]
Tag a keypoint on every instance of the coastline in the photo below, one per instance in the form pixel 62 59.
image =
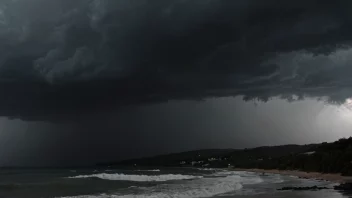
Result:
pixel 306 175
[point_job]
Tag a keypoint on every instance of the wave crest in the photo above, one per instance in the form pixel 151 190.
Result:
pixel 207 169
pixel 207 187
pixel 154 170
pixel 216 184
pixel 140 178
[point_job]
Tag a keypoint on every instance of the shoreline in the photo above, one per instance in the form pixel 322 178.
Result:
pixel 306 175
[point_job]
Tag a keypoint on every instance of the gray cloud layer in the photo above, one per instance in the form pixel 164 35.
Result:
pixel 64 57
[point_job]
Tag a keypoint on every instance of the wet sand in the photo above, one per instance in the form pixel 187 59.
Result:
pixel 308 175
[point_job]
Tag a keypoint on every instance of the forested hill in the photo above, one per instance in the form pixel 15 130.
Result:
pixel 335 157
pixel 216 157
pixel 174 159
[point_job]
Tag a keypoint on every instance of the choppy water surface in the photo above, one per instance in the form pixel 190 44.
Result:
pixel 153 183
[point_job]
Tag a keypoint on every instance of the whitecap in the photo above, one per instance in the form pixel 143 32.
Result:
pixel 154 170
pixel 207 169
pixel 277 179
pixel 206 187
pixel 246 177
pixel 140 178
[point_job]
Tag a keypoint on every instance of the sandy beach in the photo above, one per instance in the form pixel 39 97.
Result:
pixel 308 175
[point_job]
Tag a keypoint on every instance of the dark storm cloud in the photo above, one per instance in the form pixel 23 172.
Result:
pixel 64 57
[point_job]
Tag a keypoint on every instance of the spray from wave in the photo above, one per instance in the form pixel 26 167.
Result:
pixel 140 178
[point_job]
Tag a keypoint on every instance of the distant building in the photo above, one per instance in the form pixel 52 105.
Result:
pixel 193 163
pixel 182 162
pixel 212 159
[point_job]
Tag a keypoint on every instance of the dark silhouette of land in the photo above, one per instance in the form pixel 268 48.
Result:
pixel 335 157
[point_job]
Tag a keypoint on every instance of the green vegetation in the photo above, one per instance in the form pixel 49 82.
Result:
pixel 173 159
pixel 335 157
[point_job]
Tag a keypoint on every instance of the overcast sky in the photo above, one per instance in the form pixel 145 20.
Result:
pixel 86 81
pixel 172 127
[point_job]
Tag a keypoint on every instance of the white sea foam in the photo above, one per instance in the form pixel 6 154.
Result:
pixel 277 179
pixel 227 173
pixel 206 187
pixel 207 169
pixel 250 177
pixel 140 178
pixel 154 170
pixel 246 177
pixel 220 183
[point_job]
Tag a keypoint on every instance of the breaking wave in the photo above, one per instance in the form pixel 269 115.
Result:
pixel 207 169
pixel 154 170
pixel 246 177
pixel 277 179
pixel 206 187
pixel 140 178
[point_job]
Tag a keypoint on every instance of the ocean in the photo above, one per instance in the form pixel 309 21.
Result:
pixel 153 183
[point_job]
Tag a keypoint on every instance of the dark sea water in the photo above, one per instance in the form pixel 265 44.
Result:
pixel 154 183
